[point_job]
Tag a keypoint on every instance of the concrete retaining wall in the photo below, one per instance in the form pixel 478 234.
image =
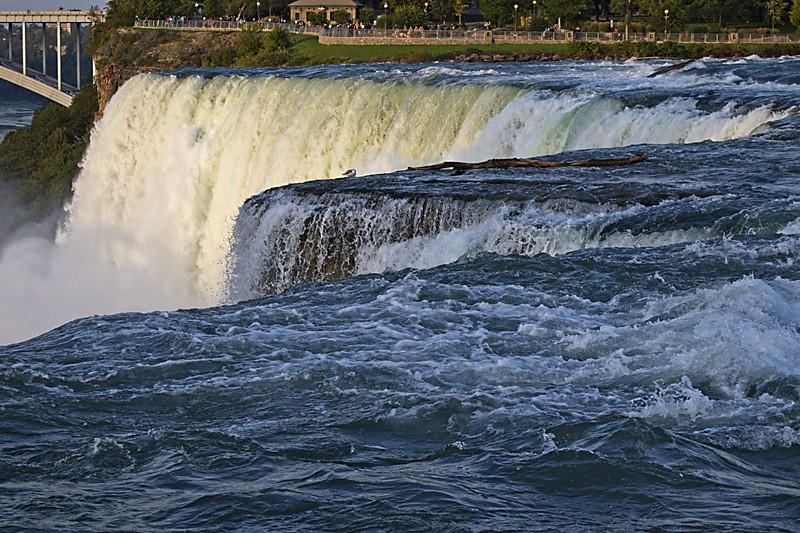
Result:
pixel 399 40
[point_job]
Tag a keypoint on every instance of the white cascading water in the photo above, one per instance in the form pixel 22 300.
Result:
pixel 174 158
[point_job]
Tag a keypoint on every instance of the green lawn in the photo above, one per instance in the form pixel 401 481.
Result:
pixel 308 46
pixel 311 52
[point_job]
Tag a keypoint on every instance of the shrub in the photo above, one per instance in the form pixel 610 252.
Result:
pixel 409 16
pixel 279 39
pixel 366 15
pixel 587 50
pixel 341 16
pixel 251 41
pixel 221 57
pixel 794 15
pixel 45 155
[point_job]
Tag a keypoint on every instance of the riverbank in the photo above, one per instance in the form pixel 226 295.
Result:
pixel 45 156
pixel 131 51
pixel 152 49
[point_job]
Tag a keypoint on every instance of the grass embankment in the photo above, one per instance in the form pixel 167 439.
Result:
pixel 309 47
pixel 143 49
pixel 628 50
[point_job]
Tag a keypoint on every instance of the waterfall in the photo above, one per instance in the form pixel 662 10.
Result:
pixel 175 157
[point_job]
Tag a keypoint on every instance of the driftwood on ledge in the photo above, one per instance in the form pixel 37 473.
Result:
pixel 670 68
pixel 532 163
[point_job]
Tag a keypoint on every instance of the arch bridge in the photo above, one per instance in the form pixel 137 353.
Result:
pixel 24 62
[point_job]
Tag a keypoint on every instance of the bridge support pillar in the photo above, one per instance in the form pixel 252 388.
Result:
pixel 44 48
pixel 58 54
pixel 78 54
pixel 24 50
pixel 43 80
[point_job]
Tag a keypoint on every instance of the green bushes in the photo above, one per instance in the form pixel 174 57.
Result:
pixel 221 57
pixel 255 48
pixel 129 48
pixel 44 157
pixel 341 16
pixel 794 15
pixel 588 50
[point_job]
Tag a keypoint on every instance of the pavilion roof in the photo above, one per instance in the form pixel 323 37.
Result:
pixel 325 3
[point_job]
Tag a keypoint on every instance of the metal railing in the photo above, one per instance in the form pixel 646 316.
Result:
pixel 364 35
pixel 223 25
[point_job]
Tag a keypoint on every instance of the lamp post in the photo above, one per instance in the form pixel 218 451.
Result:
pixel 385 17
pixel 516 6
pixel 666 22
pixel 258 11
pixel 628 21
pixel 534 8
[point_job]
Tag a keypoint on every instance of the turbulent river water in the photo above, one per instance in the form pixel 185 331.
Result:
pixel 227 335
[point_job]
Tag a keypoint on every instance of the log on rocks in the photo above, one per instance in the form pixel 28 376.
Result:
pixel 532 163
pixel 670 68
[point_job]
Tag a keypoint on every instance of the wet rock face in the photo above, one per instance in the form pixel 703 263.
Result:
pixel 108 81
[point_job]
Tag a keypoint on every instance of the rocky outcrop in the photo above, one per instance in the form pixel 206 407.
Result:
pixel 108 80
pixel 130 52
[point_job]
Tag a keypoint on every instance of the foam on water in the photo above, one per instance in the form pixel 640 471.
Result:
pixel 698 360
pixel 791 229
pixel 286 238
pixel 174 157
pixel 594 349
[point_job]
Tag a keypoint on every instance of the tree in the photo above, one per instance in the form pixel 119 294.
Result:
pixel 121 13
pixel 459 7
pixel 315 18
pixel 499 12
pixel 600 7
pixel 251 41
pixel 720 11
pixel 569 11
pixel 340 16
pixel 158 9
pixel 624 8
pixel 236 9
pixel 794 16
pixel 45 155
pixel 775 10
pixel 366 15
pixel 278 39
pixel 278 48
pixel 213 9
pixel 658 19
pixel 441 10
pixel 409 16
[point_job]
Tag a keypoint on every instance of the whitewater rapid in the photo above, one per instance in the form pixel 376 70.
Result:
pixel 175 156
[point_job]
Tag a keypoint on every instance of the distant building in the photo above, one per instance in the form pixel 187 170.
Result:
pixel 473 12
pixel 300 11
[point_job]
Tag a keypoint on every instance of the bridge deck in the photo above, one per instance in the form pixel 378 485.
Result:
pixel 51 17
pixel 39 84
